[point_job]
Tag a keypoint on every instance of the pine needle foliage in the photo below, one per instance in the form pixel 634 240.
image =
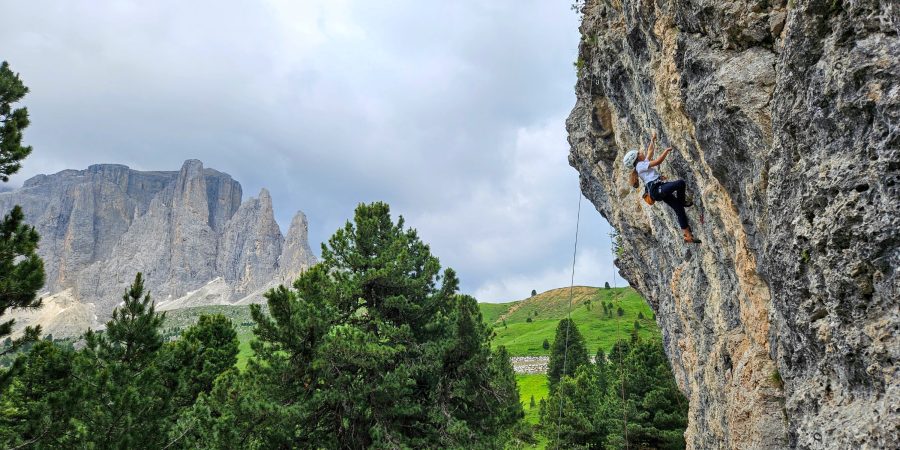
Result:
pixel 593 414
pixel 21 271
pixel 371 348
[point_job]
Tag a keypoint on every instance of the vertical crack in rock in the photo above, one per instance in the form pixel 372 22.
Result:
pixel 782 327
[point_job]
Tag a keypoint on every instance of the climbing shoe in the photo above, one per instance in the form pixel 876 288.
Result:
pixel 692 241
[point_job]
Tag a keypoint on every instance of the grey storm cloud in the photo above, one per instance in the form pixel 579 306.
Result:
pixel 453 112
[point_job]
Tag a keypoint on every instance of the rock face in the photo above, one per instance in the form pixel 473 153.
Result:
pixel 782 327
pixel 184 230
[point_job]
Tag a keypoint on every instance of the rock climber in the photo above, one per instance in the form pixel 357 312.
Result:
pixel 671 192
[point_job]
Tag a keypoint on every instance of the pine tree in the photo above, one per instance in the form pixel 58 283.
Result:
pixel 124 389
pixel 563 362
pixel 531 403
pixel 620 312
pixel 602 365
pixel 533 292
pixel 37 405
pixel 203 352
pixel 12 122
pixel 567 415
pixel 657 411
pixel 371 348
pixel 133 335
pixel 126 401
pixel 21 271
pixel 606 285
pixel 546 344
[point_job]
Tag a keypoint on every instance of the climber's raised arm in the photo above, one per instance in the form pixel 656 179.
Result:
pixel 651 147
pixel 661 158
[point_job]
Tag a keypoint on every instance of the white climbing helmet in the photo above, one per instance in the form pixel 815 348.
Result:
pixel 630 158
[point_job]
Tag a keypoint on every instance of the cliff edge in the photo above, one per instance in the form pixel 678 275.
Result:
pixel 782 327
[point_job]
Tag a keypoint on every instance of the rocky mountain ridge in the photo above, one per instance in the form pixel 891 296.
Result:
pixel 782 327
pixel 186 230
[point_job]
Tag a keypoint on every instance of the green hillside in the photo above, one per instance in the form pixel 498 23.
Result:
pixel 532 385
pixel 524 338
pixel 521 338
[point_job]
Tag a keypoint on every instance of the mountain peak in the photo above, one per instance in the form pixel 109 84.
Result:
pixel 182 229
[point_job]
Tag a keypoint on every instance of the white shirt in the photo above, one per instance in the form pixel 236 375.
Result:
pixel 647 173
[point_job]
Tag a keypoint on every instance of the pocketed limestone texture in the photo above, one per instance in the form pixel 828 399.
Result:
pixel 782 326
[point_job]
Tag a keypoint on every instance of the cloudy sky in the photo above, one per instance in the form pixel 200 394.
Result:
pixel 452 112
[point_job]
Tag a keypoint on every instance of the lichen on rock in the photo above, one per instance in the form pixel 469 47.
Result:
pixel 782 327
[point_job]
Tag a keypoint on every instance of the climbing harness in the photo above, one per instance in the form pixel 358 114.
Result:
pixel 648 189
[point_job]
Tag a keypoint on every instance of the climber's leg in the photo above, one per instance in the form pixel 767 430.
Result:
pixel 674 188
pixel 676 205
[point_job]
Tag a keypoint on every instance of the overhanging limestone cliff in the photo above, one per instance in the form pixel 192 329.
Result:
pixel 782 327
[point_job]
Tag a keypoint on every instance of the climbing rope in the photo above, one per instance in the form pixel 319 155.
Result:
pixel 568 323
pixel 569 310
pixel 621 356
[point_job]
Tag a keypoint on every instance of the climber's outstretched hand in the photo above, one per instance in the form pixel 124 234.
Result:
pixel 661 158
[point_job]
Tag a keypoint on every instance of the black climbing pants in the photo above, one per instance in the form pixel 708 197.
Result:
pixel 672 194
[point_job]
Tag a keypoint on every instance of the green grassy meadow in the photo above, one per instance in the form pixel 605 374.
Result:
pixel 523 338
pixel 529 385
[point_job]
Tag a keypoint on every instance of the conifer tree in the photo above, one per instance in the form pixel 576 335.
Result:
pixel 656 409
pixel 12 122
pixel 37 405
pixel 203 352
pixel 567 415
pixel 603 370
pixel 371 348
pixel 124 389
pixel 562 362
pixel 126 401
pixel 21 271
